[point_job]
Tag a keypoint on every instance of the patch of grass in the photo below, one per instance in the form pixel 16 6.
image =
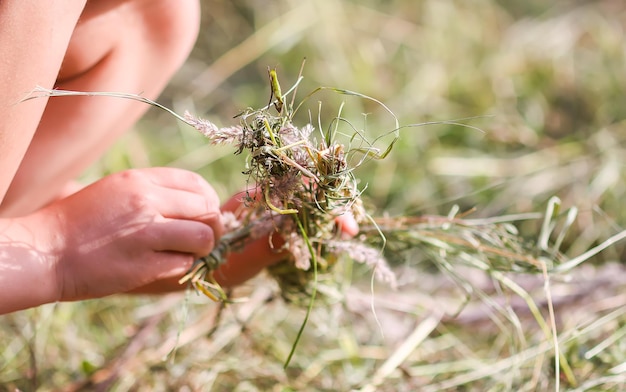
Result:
pixel 547 85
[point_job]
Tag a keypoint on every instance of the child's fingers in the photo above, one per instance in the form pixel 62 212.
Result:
pixel 167 266
pixel 180 179
pixel 165 269
pixel 184 236
pixel 244 265
pixel 347 225
pixel 185 205
pixel 236 202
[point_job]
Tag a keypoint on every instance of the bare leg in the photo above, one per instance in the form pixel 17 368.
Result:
pixel 131 46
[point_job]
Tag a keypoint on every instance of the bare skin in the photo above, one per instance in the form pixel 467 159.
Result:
pixel 135 231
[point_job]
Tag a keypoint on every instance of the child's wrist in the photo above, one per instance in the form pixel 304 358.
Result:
pixel 49 240
pixel 28 260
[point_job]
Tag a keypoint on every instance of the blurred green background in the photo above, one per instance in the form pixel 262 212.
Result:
pixel 528 102
pixel 538 84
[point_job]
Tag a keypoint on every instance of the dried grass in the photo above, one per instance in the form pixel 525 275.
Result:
pixel 472 306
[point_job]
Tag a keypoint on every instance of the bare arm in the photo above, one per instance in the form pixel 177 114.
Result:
pixel 130 46
pixel 82 246
pixel 126 231
pixel 33 38
pixel 27 264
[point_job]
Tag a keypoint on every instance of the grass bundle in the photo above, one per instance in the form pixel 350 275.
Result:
pixel 302 179
pixel 302 183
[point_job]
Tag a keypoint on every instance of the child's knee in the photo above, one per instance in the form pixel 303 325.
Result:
pixel 134 34
pixel 172 27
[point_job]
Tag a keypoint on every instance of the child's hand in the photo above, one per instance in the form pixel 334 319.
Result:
pixel 264 252
pixel 132 229
pixel 244 265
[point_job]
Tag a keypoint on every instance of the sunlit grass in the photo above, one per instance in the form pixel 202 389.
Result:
pixel 547 86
